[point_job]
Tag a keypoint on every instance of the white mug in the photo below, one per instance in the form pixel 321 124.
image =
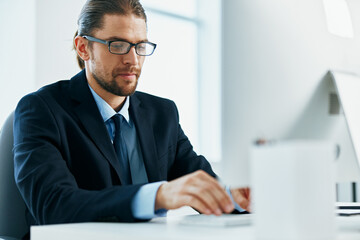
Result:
pixel 294 190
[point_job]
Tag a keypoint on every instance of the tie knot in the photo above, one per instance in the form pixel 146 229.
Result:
pixel 117 118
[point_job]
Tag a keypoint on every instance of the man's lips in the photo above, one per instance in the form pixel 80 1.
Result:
pixel 127 76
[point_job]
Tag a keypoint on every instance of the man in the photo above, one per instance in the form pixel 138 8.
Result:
pixel 93 149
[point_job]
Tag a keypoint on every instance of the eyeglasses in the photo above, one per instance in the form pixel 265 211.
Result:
pixel 123 47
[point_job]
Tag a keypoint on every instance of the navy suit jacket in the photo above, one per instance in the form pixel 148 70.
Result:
pixel 65 165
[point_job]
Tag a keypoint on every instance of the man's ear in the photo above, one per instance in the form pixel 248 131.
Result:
pixel 82 47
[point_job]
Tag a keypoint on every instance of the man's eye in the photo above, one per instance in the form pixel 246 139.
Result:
pixel 119 45
pixel 141 48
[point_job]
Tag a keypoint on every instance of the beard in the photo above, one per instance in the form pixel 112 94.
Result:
pixel 111 85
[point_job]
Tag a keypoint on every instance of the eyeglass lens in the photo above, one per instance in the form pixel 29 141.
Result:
pixel 121 47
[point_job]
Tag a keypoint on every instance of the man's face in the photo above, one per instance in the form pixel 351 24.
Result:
pixel 117 74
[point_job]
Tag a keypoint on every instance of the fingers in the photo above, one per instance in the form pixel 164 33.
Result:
pixel 242 196
pixel 217 203
pixel 211 193
pixel 198 190
pixel 197 204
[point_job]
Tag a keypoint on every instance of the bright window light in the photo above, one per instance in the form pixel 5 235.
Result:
pixel 338 18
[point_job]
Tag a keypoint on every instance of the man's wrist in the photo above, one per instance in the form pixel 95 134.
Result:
pixel 159 198
pixel 143 205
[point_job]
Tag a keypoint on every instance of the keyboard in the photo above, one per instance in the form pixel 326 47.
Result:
pixel 225 220
pixel 347 208
pixel 347 205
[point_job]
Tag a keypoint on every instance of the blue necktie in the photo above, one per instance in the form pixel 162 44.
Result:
pixel 120 150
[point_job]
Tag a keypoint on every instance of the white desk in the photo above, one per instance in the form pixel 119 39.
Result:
pixel 166 228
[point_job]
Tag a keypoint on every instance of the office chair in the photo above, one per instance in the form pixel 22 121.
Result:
pixel 12 207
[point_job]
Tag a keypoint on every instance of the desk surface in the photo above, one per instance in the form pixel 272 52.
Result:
pixel 167 228
pixel 155 230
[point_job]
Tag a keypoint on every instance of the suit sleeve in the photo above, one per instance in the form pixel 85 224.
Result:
pixel 186 160
pixel 45 182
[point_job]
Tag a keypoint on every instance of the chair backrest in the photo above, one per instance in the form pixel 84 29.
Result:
pixel 12 206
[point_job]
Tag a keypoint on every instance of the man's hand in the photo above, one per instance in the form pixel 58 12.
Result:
pixel 242 196
pixel 198 190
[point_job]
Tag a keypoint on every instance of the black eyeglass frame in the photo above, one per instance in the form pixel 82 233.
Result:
pixel 93 39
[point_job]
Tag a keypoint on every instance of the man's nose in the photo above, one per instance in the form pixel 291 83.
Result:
pixel 131 57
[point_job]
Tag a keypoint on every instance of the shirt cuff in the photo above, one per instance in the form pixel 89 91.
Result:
pixel 237 207
pixel 143 204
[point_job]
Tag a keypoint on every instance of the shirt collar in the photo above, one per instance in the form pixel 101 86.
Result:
pixel 107 111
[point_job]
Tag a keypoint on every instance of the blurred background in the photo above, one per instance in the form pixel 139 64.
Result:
pixel 36 49
pixel 237 69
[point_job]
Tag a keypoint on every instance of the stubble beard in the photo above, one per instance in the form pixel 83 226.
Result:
pixel 112 86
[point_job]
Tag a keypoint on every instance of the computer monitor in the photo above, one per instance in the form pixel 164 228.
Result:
pixel 348 88
pixel 275 77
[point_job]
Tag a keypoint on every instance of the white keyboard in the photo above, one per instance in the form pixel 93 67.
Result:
pixel 224 220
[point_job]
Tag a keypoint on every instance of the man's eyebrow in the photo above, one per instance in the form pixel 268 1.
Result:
pixel 123 39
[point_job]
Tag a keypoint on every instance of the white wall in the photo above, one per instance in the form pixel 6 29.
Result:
pixel 56 23
pixel 209 94
pixel 17 61
pixel 35 45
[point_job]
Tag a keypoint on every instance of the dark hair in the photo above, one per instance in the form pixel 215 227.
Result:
pixel 92 15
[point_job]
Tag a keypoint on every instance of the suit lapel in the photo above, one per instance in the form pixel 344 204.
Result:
pixel 145 134
pixel 88 113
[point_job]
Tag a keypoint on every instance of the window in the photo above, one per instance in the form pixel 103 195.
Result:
pixel 186 66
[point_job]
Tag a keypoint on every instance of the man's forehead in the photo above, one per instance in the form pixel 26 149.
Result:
pixel 123 26
pixel 129 21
